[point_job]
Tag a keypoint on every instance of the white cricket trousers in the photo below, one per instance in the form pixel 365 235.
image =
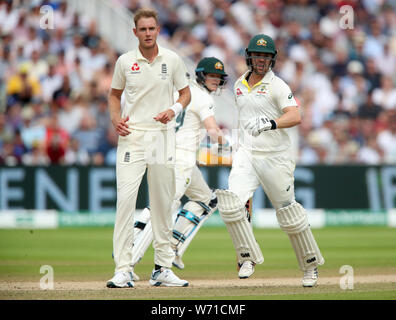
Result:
pixel 189 179
pixel 274 171
pixel 154 151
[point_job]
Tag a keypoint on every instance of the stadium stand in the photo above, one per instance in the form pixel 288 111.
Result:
pixel 54 82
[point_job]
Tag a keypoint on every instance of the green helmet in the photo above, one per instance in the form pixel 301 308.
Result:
pixel 210 65
pixel 263 44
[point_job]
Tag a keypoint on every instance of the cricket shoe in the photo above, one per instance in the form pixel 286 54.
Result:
pixel 246 270
pixel 310 277
pixel 165 277
pixel 178 262
pixel 121 280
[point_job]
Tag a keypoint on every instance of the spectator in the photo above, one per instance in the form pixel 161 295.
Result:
pixel 369 109
pixel 385 96
pixel 37 156
pixel 88 134
pixel 57 140
pixel 387 140
pixel 31 133
pixel 370 153
pixel 71 114
pixel 51 82
pixel 21 87
pixel 76 155
pixel 9 17
pixel 7 156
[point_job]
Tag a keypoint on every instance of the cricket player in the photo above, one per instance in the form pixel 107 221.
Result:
pixel 193 124
pixel 266 107
pixel 148 77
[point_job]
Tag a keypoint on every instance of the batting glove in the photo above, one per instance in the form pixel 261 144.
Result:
pixel 257 125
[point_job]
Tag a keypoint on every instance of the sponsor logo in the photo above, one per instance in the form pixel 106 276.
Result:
pixel 135 67
pixel 238 92
pixel 290 96
pixel 218 66
pixel 261 42
pixel 245 254
pixel 127 157
pixel 311 260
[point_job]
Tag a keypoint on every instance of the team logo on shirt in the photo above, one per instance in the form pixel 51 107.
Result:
pixel 262 90
pixel 261 42
pixel 238 92
pixel 164 72
pixel 290 96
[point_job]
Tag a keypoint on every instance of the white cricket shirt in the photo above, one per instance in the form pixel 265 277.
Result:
pixel 190 126
pixel 148 87
pixel 266 98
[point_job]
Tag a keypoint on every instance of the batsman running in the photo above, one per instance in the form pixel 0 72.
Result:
pixel 266 107
pixel 192 125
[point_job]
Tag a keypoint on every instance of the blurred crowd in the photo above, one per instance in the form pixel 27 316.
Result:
pixel 53 88
pixel 54 82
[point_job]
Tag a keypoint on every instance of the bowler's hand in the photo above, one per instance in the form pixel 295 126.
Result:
pixel 165 116
pixel 121 126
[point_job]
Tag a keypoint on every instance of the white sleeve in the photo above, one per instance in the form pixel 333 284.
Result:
pixel 205 109
pixel 180 75
pixel 284 96
pixel 119 80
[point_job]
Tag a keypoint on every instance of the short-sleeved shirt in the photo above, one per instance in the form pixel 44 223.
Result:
pixel 190 129
pixel 267 98
pixel 149 87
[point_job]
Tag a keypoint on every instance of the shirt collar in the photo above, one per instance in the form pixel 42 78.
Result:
pixel 139 55
pixel 266 79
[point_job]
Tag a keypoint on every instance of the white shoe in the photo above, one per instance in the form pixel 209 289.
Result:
pixel 178 262
pixel 121 280
pixel 246 270
pixel 166 277
pixel 310 277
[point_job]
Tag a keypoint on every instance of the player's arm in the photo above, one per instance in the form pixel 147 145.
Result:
pixel 214 131
pixel 119 123
pixel 290 118
pixel 181 103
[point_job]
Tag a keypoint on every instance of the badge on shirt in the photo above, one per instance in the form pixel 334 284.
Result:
pixel 238 92
pixel 262 90
pixel 164 72
pixel 135 68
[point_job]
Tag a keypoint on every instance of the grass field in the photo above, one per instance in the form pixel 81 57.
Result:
pixel 81 260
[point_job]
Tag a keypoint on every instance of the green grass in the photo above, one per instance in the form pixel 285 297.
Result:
pixel 84 254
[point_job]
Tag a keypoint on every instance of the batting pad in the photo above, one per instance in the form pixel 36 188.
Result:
pixel 189 220
pixel 143 236
pixel 293 220
pixel 234 215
